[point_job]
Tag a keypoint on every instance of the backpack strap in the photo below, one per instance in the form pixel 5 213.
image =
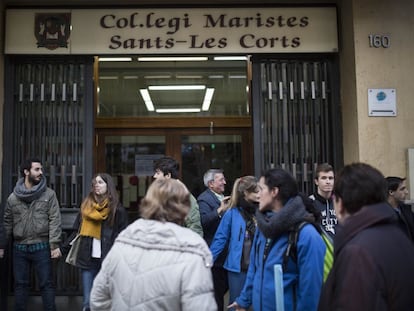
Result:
pixel 291 249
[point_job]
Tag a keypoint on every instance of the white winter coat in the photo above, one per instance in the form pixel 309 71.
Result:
pixel 155 266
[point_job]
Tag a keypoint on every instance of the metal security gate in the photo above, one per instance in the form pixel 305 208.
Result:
pixel 48 120
pixel 297 120
pixel 49 114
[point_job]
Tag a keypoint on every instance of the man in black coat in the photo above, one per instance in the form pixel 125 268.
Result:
pixel 211 207
pixel 396 196
pixel 373 259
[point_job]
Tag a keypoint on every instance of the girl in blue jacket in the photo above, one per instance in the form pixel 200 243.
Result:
pixel 280 209
pixel 236 230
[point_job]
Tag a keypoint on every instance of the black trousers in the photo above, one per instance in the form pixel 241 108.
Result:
pixel 221 286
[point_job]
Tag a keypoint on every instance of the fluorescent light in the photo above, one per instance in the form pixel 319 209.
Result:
pixel 237 77
pixel 115 59
pixel 108 78
pixel 177 110
pixel 158 77
pixel 188 77
pixel 216 77
pixel 207 99
pixel 230 58
pixel 176 87
pixel 130 77
pixel 147 99
pixel 172 59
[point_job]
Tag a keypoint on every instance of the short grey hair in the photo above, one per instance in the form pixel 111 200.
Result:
pixel 209 175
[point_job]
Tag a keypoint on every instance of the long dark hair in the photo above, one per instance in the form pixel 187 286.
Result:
pixel 111 194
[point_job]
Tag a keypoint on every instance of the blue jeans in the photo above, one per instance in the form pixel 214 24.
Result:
pixel 236 284
pixel 88 275
pixel 42 263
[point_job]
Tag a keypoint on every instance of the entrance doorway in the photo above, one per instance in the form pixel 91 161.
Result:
pixel 128 155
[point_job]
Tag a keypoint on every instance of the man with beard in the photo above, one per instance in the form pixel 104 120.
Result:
pixel 32 218
pixel 281 209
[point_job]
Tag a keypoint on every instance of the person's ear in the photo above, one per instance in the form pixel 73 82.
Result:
pixel 168 175
pixel 275 192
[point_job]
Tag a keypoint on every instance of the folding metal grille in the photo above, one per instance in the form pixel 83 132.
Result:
pixel 49 115
pixel 298 118
pixel 48 122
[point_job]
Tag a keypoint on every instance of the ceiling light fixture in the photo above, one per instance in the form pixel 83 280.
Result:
pixel 189 77
pixel 115 59
pixel 173 59
pixel 208 96
pixel 158 77
pixel 147 99
pixel 108 78
pixel 230 58
pixel 177 110
pixel 175 87
pixel 207 99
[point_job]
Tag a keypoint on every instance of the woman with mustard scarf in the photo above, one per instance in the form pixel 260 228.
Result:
pixel 99 222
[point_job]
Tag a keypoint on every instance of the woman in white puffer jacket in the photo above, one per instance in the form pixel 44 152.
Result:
pixel 155 263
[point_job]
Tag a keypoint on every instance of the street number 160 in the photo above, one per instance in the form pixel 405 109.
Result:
pixel 378 41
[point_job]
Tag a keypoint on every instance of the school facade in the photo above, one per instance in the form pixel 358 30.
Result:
pixel 243 86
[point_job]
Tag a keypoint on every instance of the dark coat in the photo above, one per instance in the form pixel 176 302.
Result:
pixel 208 204
pixel 328 216
pixel 108 236
pixel 373 264
pixel 406 220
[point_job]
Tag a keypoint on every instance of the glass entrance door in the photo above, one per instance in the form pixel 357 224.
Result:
pixel 129 157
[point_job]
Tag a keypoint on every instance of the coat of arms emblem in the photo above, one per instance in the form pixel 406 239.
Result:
pixel 52 30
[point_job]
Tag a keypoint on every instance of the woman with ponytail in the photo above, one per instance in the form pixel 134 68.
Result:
pixel 101 219
pixel 236 231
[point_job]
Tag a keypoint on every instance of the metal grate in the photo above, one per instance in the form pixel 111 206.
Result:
pixel 48 122
pixel 49 113
pixel 298 119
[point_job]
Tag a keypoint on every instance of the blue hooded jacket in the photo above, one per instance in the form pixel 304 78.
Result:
pixel 302 280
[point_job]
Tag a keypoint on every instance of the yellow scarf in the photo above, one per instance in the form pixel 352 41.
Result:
pixel 92 217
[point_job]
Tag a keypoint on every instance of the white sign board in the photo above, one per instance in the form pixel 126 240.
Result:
pixel 169 31
pixel 382 103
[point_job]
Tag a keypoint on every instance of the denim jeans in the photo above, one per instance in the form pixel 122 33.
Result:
pixel 88 275
pixel 42 263
pixel 236 284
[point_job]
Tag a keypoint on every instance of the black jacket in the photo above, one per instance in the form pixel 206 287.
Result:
pixel 373 264
pixel 328 216
pixel 108 236
pixel 208 204
pixel 406 220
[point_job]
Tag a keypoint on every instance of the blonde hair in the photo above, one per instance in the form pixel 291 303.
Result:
pixel 167 200
pixel 242 184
